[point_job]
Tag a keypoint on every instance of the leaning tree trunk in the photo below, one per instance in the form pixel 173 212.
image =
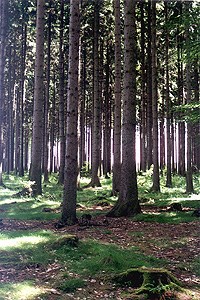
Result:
pixel 128 204
pixel 37 140
pixel 71 159
pixel 156 179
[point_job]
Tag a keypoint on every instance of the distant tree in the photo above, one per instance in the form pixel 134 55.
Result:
pixel 37 138
pixel 71 160
pixel 127 203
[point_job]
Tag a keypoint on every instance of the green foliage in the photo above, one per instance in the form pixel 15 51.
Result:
pixel 70 285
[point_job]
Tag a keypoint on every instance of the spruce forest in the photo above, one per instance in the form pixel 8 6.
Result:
pixel 99 149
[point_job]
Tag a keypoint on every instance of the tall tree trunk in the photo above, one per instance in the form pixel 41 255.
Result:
pixel 143 158
pixel 117 103
pixel 181 124
pixel 96 132
pixel 46 103
pixel 168 106
pixel 71 161
pixel 61 97
pixel 37 140
pixel 149 92
pixel 156 179
pixel 189 179
pixel 128 204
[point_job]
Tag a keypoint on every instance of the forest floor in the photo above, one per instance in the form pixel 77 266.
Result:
pixel 24 275
pixel 176 243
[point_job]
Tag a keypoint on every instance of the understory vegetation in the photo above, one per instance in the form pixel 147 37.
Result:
pixel 37 261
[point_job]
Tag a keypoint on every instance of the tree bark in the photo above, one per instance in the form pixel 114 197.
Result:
pixel 128 204
pixel 117 103
pixel 71 160
pixel 156 179
pixel 37 139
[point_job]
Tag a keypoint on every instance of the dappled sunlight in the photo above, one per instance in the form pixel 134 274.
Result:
pixel 20 242
pixel 23 291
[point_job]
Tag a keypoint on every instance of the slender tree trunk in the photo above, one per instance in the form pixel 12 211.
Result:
pixel 181 125
pixel 46 103
pixel 149 91
pixel 117 103
pixel 168 105
pixel 37 140
pixel 156 179
pixel 71 161
pixel 61 98
pixel 128 204
pixel 143 157
pixel 96 132
pixel 189 179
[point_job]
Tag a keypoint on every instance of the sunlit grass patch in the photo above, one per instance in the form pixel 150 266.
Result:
pixel 20 242
pixel 165 217
pixel 26 290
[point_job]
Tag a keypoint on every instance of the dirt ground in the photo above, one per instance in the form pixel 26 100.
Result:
pixel 179 244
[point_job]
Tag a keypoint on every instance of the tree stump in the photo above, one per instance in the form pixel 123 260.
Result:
pixel 153 283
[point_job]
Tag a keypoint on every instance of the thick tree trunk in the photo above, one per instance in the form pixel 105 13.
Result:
pixel 128 204
pixel 37 139
pixel 71 160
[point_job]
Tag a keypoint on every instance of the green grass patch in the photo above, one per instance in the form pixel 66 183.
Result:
pixel 166 217
pixel 26 290
pixel 71 285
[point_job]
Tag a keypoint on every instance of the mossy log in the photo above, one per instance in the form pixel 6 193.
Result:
pixel 65 240
pixel 151 282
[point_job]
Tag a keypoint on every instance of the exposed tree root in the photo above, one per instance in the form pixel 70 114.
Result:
pixel 152 283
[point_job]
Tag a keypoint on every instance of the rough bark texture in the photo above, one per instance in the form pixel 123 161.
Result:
pixel 71 160
pixel 128 204
pixel 37 139
pixel 117 103
pixel 156 179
